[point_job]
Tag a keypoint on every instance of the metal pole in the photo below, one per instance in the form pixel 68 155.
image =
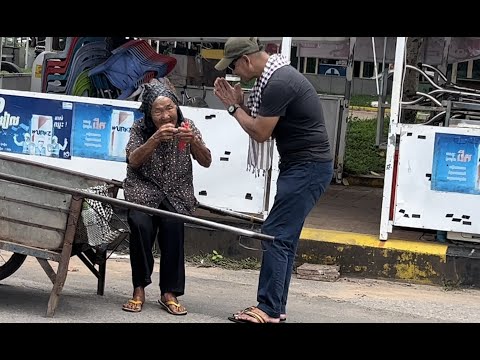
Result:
pixel 1 59
pixel 386 224
pixel 382 96
pixel 383 60
pixel 375 65
pixel 26 53
pixel 342 125
pixel 446 48
pixel 234 214
pixel 129 205
pixel 1 48
pixel 48 43
pixel 286 47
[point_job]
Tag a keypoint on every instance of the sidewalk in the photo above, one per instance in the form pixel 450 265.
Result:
pixel 343 230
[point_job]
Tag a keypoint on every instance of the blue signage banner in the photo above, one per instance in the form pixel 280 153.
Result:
pixel 332 69
pixel 35 126
pixel 456 163
pixel 102 131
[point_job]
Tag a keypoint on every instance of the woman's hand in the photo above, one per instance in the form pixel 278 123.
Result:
pixel 227 94
pixel 185 134
pixel 165 132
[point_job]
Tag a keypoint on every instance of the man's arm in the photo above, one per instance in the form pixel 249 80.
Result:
pixel 260 128
pixel 275 98
pixel 245 108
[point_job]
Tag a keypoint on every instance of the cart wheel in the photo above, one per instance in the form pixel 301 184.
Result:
pixel 9 265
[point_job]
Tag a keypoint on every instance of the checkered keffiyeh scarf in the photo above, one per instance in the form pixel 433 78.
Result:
pixel 260 155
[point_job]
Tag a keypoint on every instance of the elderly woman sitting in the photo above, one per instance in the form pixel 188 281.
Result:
pixel 159 175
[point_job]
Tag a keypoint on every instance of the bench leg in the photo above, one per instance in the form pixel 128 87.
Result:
pixel 102 269
pixel 75 208
pixel 58 284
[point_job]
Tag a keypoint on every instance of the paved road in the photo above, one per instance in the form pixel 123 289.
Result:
pixel 213 294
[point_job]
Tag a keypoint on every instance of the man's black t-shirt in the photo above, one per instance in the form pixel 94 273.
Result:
pixel 300 133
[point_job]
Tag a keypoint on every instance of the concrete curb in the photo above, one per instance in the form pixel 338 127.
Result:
pixel 416 261
pixel 367 256
pixel 357 255
pixel 366 108
pixel 365 180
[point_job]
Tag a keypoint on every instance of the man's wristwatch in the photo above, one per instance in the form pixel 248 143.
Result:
pixel 232 108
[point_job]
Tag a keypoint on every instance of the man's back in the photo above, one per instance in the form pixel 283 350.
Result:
pixel 300 133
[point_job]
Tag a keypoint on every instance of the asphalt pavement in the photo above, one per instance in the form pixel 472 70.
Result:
pixel 212 294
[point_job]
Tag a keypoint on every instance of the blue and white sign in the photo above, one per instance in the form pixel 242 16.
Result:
pixel 332 69
pixel 456 163
pixel 35 126
pixel 102 131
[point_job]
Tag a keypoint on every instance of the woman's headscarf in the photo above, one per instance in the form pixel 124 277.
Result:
pixel 152 91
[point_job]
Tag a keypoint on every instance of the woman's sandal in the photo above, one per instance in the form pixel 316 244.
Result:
pixel 166 305
pixel 137 306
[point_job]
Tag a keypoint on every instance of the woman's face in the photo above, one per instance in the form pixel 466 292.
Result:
pixel 164 111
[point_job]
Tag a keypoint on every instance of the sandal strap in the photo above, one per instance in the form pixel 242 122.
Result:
pixel 256 316
pixel 135 302
pixel 172 302
pixel 250 308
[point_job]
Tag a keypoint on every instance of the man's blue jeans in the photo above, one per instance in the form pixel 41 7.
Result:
pixel 299 186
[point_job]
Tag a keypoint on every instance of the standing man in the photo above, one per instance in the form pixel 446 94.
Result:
pixel 283 104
